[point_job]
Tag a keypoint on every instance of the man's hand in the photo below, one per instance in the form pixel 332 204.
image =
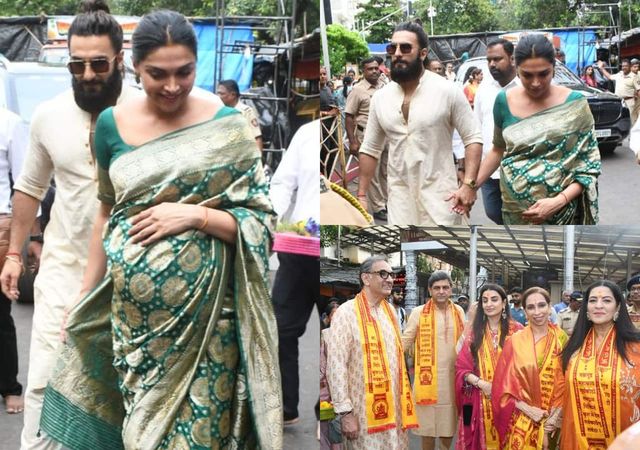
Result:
pixel 354 147
pixel 34 251
pixel 350 427
pixel 9 278
pixel 457 202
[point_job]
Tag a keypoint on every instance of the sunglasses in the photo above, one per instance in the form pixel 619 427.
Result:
pixel 98 65
pixel 385 274
pixel 404 48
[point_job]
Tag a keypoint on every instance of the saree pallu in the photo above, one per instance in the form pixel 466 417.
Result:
pixel 602 395
pixel 530 372
pixel 544 154
pixel 177 348
pixel 480 433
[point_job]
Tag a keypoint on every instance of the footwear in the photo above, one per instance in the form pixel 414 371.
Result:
pixel 291 421
pixel 380 215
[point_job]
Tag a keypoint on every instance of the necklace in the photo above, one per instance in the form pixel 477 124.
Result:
pixel 494 337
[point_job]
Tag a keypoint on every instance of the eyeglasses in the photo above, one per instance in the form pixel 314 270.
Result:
pixel 385 274
pixel 635 289
pixel 404 48
pixel 98 65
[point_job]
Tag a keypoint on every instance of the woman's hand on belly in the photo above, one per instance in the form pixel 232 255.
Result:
pixel 165 219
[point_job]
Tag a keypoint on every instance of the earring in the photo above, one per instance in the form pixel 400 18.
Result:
pixel 504 314
pixel 588 316
pixel 137 78
pixel 615 316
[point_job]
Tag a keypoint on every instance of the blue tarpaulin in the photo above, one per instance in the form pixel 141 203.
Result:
pixel 235 66
pixel 579 48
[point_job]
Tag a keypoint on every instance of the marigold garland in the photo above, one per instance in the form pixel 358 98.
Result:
pixel 351 199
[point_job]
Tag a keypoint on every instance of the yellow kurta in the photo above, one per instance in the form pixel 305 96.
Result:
pixel 440 419
pixel 345 376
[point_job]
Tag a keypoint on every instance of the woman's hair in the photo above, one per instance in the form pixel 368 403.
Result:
pixel 93 19
pixel 534 46
pixel 480 320
pixel 159 29
pixel 346 82
pixel 535 290
pixel 626 332
pixel 470 71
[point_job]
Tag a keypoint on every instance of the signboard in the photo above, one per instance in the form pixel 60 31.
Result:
pixel 58 27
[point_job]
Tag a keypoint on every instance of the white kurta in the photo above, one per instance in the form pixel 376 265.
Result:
pixel 345 375
pixel 59 148
pixel 440 419
pixel 421 171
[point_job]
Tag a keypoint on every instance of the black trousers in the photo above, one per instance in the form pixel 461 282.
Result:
pixel 296 290
pixel 8 351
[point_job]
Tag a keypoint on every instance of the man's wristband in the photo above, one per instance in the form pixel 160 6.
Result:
pixel 36 238
pixel 342 414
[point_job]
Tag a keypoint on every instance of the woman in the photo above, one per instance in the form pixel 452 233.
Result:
pixel 475 366
pixel 588 77
pixel 474 78
pixel 183 313
pixel 526 394
pixel 601 366
pixel 545 145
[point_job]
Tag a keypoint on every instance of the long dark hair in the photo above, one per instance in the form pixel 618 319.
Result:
pixel 94 19
pixel 625 330
pixel 346 82
pixel 534 46
pixel 480 320
pixel 159 29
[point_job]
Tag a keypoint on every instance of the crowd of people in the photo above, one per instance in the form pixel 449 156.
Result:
pixel 501 376
pixel 528 144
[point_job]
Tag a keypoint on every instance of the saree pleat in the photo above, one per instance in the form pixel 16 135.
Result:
pixel 543 157
pixel 194 339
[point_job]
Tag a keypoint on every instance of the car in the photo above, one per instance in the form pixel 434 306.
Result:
pixel 611 116
pixel 24 85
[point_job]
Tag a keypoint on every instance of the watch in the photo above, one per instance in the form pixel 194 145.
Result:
pixel 471 183
pixel 36 238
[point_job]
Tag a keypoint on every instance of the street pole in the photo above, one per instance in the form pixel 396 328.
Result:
pixel 473 261
pixel 431 12
pixel 325 44
pixel 569 243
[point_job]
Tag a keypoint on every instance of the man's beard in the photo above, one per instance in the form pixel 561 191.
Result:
pixel 397 301
pixel 98 100
pixel 411 72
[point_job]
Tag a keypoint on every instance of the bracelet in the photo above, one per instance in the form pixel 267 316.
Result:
pixel 15 260
pixel 205 221
pixel 362 195
pixel 18 255
pixel 565 197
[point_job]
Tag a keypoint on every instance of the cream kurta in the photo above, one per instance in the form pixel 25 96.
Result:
pixel 59 148
pixel 345 375
pixel 440 419
pixel 421 171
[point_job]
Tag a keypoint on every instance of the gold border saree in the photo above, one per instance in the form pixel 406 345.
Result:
pixel 177 348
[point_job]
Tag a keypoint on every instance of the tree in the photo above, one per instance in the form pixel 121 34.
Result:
pixel 38 7
pixel 458 16
pixel 533 14
pixel 373 11
pixel 345 46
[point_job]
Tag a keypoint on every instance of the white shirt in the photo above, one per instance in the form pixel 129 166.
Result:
pixel 634 138
pixel 483 109
pixel 295 187
pixel 14 136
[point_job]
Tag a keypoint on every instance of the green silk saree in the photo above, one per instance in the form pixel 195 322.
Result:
pixel 544 154
pixel 177 347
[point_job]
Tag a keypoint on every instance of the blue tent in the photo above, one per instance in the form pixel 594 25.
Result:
pixel 578 46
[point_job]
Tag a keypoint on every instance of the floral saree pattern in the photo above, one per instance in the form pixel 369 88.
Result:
pixel 177 348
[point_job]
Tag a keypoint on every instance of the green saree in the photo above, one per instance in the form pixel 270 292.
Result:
pixel 177 348
pixel 545 153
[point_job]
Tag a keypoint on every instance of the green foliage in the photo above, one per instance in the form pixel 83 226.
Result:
pixel 38 7
pixel 376 10
pixel 328 235
pixel 423 265
pixel 458 16
pixel 344 46
pixel 537 14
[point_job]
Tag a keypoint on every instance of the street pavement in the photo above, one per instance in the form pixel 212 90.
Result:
pixel 296 437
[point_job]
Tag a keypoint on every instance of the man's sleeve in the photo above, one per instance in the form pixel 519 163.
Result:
pixel 409 334
pixel 18 144
pixel 285 180
pixel 464 120
pixel 37 171
pixel 374 136
pixel 338 353
pixel 353 103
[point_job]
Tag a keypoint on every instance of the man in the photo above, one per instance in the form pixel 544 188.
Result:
pixel 450 74
pixel 517 311
pixel 364 347
pixel 416 114
pixel 295 195
pixel 635 69
pixel 60 146
pixel 634 140
pixel 356 116
pixel 463 302
pixel 633 286
pixel 430 337
pixel 564 302
pixel 436 67
pixel 397 300
pixel 568 316
pixel 229 93
pixel 503 72
pixel 625 86
pixel 560 56
pixel 13 145
pixel 328 112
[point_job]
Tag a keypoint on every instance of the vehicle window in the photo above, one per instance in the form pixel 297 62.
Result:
pixel 32 90
pixel 57 56
pixel 3 93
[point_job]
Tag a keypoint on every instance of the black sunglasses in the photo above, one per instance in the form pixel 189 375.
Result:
pixel 385 274
pixel 98 65
pixel 404 48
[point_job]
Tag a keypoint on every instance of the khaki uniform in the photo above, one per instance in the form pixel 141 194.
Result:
pixel 567 320
pixel 626 89
pixel 634 313
pixel 249 114
pixel 357 105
